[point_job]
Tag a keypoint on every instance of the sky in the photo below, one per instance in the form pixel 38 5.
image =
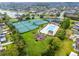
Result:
pixel 39 0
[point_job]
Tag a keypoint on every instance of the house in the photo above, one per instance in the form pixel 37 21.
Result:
pixel 2 33
pixel 1 16
pixel 2 39
pixel 75 31
pixel 77 23
pixel 1 48
pixel 2 24
pixel 72 14
pixel 1 30
pixel 72 37
pixel 2 36
pixel 77 43
pixel 76 28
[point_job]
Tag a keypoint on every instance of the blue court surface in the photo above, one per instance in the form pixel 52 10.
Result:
pixel 24 26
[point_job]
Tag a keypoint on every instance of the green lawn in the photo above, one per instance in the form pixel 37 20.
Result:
pixel 65 49
pixel 13 20
pixel 34 47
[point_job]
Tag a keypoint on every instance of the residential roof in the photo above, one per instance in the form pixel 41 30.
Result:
pixel 2 39
pixel 76 27
pixel 2 35
pixel 70 11
pixel 77 39
pixel 1 48
pixel 1 24
pixel 0 30
pixel 77 23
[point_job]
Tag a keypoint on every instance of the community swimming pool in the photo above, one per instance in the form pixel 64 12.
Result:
pixel 50 27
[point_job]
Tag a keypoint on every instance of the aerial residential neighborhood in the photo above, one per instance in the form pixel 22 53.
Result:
pixel 39 29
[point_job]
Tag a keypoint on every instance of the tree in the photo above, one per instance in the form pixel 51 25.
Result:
pixel 20 43
pixel 61 34
pixel 54 45
pixel 11 50
pixel 41 16
pixel 1 20
pixel 33 16
pixel 65 24
pixel 22 17
pixel 27 16
pixel 6 18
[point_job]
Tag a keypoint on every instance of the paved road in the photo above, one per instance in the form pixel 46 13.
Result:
pixel 61 15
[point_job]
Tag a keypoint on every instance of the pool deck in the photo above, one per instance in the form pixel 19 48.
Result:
pixel 53 27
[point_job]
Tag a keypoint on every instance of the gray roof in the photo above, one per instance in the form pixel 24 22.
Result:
pixel 76 27
pixel 2 39
pixel 1 30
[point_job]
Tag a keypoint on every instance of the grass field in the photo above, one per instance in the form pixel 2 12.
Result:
pixel 13 20
pixel 65 49
pixel 35 48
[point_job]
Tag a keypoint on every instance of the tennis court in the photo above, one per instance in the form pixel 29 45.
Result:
pixel 24 26
pixel 49 20
pixel 29 25
pixel 38 22
pixel 53 20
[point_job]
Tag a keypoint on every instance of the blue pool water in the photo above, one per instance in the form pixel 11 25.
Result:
pixel 52 28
